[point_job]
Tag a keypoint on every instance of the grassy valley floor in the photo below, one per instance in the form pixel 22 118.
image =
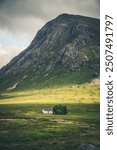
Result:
pixel 24 127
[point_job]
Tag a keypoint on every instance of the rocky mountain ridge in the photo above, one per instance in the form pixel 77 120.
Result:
pixel 67 43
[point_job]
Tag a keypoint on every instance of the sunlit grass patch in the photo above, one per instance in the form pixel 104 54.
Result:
pixel 85 93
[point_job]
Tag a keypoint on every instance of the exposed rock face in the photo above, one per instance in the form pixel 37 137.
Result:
pixel 87 147
pixel 68 42
pixel 95 81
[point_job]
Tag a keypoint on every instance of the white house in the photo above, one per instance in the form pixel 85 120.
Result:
pixel 47 111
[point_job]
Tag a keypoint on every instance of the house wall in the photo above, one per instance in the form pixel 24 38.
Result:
pixel 47 112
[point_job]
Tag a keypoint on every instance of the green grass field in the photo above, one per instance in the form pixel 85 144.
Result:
pixel 24 127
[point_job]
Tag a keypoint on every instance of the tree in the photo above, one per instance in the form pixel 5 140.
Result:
pixel 60 109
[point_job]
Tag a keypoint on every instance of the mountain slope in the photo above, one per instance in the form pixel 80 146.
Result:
pixel 68 43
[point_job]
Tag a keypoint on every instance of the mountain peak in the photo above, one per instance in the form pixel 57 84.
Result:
pixel 65 15
pixel 67 43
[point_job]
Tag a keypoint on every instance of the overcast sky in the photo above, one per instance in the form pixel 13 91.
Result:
pixel 21 19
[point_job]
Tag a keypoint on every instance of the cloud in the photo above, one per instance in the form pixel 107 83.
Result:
pixel 6 56
pixel 30 15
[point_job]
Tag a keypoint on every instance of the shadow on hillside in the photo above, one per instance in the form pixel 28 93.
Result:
pixel 6 97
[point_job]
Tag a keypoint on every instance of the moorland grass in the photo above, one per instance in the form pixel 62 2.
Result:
pixel 24 127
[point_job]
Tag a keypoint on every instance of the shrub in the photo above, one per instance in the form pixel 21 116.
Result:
pixel 60 109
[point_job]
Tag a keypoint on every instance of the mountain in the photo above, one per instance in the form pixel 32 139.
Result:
pixel 65 47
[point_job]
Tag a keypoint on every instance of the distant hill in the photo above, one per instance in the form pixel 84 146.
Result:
pixel 65 51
